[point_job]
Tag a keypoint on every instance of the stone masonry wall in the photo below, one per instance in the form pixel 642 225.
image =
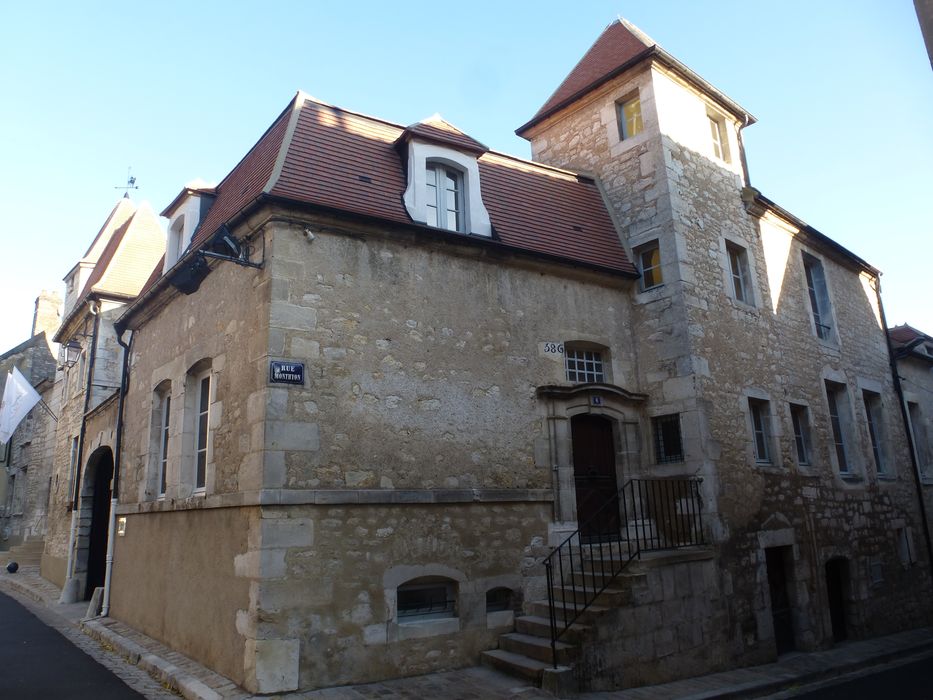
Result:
pixel 332 586
pixel 702 353
pixel 422 360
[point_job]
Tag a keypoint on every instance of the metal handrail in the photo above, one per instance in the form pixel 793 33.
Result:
pixel 647 515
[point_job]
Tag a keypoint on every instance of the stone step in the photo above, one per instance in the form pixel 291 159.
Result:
pixel 612 597
pixel 593 612
pixel 537 648
pixel 515 664
pixel 29 546
pixel 541 627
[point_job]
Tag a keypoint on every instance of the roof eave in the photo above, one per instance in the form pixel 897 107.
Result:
pixel 752 196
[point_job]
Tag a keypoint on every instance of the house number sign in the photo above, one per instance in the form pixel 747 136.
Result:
pixel 286 372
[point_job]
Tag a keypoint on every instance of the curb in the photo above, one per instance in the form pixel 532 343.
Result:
pixel 166 673
pixel 21 588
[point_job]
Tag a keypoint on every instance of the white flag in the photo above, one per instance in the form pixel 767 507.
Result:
pixel 18 399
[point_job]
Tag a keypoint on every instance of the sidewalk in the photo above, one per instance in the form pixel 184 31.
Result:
pixel 193 681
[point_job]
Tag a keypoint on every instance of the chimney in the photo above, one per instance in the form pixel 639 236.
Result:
pixel 47 315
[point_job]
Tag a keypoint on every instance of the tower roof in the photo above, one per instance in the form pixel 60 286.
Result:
pixel 620 46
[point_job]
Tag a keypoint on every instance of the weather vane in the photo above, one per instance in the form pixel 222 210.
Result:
pixel 130 184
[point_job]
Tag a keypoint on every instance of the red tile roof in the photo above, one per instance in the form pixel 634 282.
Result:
pixel 618 45
pixel 440 131
pixel 322 155
pixel 346 161
pixel 904 335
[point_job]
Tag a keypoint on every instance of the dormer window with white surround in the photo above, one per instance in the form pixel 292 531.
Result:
pixel 184 214
pixel 443 184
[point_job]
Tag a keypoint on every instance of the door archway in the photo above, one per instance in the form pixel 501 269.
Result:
pixel 95 502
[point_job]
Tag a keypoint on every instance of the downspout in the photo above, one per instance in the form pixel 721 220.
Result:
pixel 117 448
pixel 70 589
pixel 742 158
pixel 906 420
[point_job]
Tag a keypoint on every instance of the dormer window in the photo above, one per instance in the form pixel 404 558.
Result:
pixel 444 202
pixel 443 188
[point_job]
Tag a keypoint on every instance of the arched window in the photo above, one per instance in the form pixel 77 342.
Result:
pixel 429 597
pixel 498 599
pixel 198 400
pixel 160 436
pixel 445 197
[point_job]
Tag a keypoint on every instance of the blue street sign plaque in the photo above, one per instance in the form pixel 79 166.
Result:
pixel 286 372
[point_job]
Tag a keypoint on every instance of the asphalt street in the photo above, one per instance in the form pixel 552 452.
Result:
pixel 36 662
pixel 902 681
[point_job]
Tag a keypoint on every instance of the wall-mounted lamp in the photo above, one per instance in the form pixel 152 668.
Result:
pixel 71 353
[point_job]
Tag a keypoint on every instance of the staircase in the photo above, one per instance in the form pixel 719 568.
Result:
pixel 29 553
pixel 527 651
pixel 586 574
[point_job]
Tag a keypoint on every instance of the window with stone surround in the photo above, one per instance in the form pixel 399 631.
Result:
pixel 920 436
pixel 629 116
pixel 648 260
pixel 585 363
pixel 800 418
pixel 840 419
pixel 760 413
pixel 427 598
pixel 198 433
pixel 720 138
pixel 159 438
pixel 874 420
pixel 818 294
pixel 738 269
pixel 668 444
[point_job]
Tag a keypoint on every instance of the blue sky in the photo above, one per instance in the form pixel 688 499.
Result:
pixel 843 92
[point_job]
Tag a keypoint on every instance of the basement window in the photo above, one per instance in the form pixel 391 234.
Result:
pixel 427 599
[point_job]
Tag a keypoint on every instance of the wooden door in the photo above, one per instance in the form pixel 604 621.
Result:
pixel 594 471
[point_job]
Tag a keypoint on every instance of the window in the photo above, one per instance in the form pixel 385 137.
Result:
pixel 165 409
pixel 761 429
pixel 668 446
pixel 445 197
pixel 800 417
pixel 819 297
pixel 176 242
pixel 717 127
pixel 630 123
pixel 837 400
pixel 72 468
pixel 905 546
pixel 426 598
pixel 875 423
pixel 498 600
pixel 583 366
pixel 648 259
pixel 738 267
pixel 202 431
pixel 195 469
pixel 919 432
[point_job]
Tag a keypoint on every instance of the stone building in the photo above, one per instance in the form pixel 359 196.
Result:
pixel 913 354
pixel 25 461
pixel 386 382
pixel 109 274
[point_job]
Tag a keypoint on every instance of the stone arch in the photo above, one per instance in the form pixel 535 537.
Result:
pixel 94 518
